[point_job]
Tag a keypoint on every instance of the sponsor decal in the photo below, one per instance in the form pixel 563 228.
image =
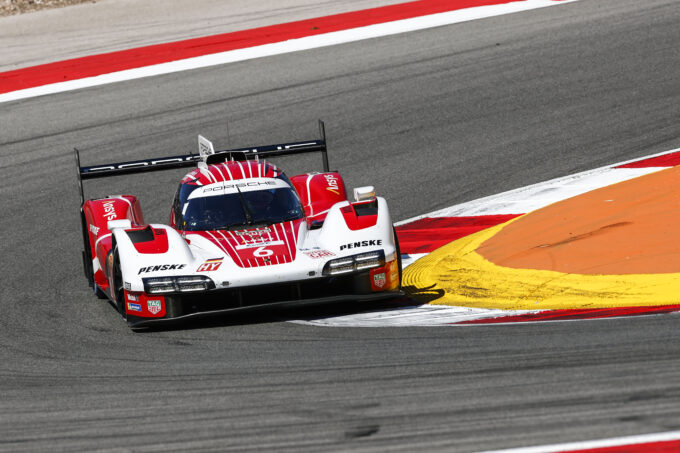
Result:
pixel 259 244
pixel 109 210
pixel 255 232
pixel 354 245
pixel 161 267
pixel 154 306
pixel 133 297
pixel 128 286
pixel 109 263
pixel 210 265
pixel 316 254
pixel 94 229
pixel 239 185
pixel 332 182
pixel 134 307
pixel 379 280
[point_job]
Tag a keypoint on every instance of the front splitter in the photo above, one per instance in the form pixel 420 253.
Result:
pixel 150 322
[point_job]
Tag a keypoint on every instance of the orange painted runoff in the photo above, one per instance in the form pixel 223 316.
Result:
pixel 632 227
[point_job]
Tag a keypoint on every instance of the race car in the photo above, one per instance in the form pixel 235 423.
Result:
pixel 241 235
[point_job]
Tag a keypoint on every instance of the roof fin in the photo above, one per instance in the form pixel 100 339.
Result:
pixel 205 149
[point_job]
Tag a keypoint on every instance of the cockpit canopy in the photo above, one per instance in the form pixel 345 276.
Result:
pixel 235 204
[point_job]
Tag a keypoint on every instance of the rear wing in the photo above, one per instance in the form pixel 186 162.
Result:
pixel 207 155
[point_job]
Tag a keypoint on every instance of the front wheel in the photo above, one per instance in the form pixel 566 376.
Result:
pixel 398 252
pixel 117 288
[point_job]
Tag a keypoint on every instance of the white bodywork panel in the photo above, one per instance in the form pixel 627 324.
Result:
pixel 186 254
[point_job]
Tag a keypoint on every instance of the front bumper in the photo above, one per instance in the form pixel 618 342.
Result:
pixel 354 287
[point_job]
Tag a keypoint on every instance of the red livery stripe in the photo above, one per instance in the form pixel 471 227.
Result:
pixel 256 248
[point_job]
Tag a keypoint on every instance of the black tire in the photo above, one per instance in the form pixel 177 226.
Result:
pixel 98 292
pixel 87 261
pixel 117 289
pixel 396 244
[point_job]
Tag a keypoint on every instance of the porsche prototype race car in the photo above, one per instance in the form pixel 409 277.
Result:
pixel 241 235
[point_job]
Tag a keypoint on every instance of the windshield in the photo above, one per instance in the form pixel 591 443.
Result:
pixel 220 212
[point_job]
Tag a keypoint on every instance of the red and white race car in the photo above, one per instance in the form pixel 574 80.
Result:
pixel 241 235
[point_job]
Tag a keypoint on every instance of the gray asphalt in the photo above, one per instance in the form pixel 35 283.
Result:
pixel 431 118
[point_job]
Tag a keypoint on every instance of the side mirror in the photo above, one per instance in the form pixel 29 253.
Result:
pixel 364 193
pixel 122 223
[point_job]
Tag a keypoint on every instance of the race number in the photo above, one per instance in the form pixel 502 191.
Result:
pixel 262 252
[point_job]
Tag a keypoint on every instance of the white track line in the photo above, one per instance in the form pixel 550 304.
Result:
pixel 535 196
pixel 293 45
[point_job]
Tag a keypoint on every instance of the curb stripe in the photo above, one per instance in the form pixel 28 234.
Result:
pixel 657 442
pixel 90 66
pixel 248 44
pixel 667 160
pixel 575 314
pixel 428 234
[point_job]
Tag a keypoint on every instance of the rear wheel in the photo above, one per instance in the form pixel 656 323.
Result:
pixel 98 292
pixel 87 261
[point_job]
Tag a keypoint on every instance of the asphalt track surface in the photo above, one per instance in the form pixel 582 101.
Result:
pixel 432 118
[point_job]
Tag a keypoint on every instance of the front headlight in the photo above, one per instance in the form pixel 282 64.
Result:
pixel 180 284
pixel 354 263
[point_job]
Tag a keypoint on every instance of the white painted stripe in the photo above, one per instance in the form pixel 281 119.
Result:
pixel 96 265
pixel 276 231
pixel 423 316
pixel 228 172
pixel 309 196
pixel 207 174
pixel 603 443
pixel 293 45
pixel 231 235
pixel 217 242
pixel 408 259
pixel 96 243
pixel 286 239
pixel 217 167
pixel 243 173
pixel 292 231
pixel 320 213
pixel 531 198
pixel 573 185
